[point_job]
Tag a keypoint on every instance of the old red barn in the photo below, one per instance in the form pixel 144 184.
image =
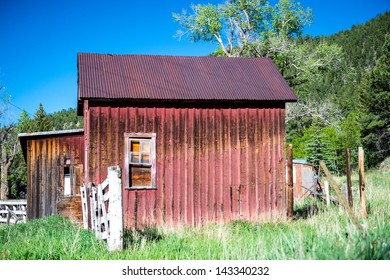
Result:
pixel 198 138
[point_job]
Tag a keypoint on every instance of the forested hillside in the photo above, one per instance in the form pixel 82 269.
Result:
pixel 340 98
pixel 362 44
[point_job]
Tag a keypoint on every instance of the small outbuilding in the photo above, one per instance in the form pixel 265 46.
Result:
pixel 305 179
pixel 55 161
pixel 198 139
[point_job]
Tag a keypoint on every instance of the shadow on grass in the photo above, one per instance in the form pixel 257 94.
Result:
pixel 310 208
pixel 137 236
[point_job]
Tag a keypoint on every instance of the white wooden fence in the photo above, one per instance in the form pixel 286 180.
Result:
pixel 13 211
pixel 102 209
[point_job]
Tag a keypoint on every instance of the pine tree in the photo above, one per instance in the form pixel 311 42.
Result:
pixel 318 148
pixel 375 109
pixel 25 124
pixel 41 121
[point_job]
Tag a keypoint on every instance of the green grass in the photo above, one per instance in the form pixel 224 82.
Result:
pixel 318 232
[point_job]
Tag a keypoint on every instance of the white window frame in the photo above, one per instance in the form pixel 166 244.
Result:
pixel 128 137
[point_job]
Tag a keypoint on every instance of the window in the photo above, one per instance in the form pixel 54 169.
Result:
pixel 72 179
pixel 67 189
pixel 140 160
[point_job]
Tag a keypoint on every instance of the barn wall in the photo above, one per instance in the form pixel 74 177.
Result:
pixel 212 164
pixel 45 162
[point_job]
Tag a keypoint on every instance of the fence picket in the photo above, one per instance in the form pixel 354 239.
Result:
pixel 105 209
pixel 102 214
pixel 92 203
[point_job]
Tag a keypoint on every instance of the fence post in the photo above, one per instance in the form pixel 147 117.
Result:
pixel 340 196
pixel 326 184
pixel 362 183
pixel 84 205
pixel 8 215
pixel 349 181
pixel 115 239
pixel 290 177
pixel 92 205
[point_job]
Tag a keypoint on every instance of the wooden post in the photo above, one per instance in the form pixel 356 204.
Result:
pixel 115 240
pixel 326 184
pixel 290 177
pixel 362 183
pixel 93 210
pixel 8 215
pixel 349 181
pixel 319 173
pixel 341 197
pixel 84 205
pixel 102 213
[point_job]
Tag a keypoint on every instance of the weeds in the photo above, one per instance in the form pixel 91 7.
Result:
pixel 317 232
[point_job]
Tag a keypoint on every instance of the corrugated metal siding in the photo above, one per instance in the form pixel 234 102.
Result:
pixel 212 164
pixel 102 76
pixel 45 162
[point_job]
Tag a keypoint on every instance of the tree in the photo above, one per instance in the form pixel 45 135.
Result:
pixel 319 148
pixel 41 121
pixel 254 28
pixel 66 119
pixel 375 109
pixel 25 124
pixel 238 24
pixel 8 145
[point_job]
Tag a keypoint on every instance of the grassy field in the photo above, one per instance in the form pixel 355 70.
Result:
pixel 318 232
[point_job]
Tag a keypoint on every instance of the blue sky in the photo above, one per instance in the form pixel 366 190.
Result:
pixel 40 39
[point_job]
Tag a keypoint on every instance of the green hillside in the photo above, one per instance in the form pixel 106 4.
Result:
pixel 333 107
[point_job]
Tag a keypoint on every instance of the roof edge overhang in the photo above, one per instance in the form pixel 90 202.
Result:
pixel 197 103
pixel 24 137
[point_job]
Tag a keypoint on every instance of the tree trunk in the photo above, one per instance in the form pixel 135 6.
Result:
pixel 4 184
pixel 7 138
pixel 4 174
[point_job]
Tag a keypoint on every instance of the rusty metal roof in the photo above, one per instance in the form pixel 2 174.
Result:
pixel 153 77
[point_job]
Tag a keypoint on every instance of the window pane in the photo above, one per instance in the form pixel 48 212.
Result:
pixel 145 158
pixel 134 157
pixel 67 190
pixel 145 146
pixel 140 176
pixel 135 145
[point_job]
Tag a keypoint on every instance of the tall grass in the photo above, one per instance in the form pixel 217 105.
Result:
pixel 52 238
pixel 318 232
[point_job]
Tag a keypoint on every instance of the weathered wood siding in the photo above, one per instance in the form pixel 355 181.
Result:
pixel 212 164
pixel 46 159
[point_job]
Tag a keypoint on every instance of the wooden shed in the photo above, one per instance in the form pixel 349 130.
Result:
pixel 199 139
pixel 55 161
pixel 304 179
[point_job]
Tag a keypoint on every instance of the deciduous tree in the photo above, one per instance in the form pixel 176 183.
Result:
pixel 8 145
pixel 254 28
